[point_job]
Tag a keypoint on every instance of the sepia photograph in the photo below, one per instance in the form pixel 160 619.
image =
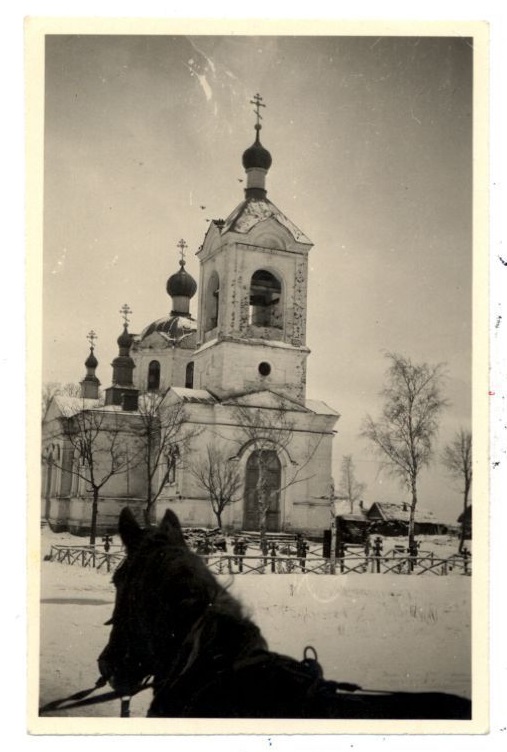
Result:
pixel 258 501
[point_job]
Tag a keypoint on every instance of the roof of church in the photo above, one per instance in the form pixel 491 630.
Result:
pixel 320 407
pixel 174 326
pixel 201 396
pixel 69 406
pixel 251 211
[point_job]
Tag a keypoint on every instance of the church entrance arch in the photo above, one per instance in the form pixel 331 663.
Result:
pixel 263 475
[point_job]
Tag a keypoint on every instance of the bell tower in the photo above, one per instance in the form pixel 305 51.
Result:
pixel 251 329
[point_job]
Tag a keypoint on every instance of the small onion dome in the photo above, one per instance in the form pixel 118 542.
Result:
pixel 91 361
pixel 125 339
pixel 256 156
pixel 181 284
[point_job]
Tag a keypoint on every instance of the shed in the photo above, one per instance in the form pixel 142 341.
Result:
pixel 392 518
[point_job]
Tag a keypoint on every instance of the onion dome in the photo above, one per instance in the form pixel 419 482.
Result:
pixel 256 156
pixel 181 284
pixel 124 341
pixel 90 384
pixel 91 361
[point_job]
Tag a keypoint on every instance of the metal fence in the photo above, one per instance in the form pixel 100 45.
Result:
pixel 223 563
pixel 87 556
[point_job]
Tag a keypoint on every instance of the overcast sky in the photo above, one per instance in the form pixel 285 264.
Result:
pixel 372 159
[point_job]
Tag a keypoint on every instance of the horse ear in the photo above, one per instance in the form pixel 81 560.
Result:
pixel 129 530
pixel 170 525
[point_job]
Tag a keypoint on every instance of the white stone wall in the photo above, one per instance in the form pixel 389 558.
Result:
pixel 173 362
pixel 306 467
pixel 232 366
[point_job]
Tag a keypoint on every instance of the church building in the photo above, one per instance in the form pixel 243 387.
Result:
pixel 235 376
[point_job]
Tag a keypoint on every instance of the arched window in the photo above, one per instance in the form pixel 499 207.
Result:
pixel 265 300
pixel 212 303
pixel 153 376
pixel 189 375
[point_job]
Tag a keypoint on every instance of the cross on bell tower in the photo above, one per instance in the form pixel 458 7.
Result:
pixel 257 102
pixel 182 246
pixel 252 309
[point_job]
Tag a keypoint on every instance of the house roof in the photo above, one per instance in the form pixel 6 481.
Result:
pixel 354 517
pixel 390 512
pixel 342 507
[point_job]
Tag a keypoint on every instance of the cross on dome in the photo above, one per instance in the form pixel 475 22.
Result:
pixel 91 337
pixel 257 102
pixel 125 311
pixel 182 246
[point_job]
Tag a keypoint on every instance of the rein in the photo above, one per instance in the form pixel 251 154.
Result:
pixel 82 699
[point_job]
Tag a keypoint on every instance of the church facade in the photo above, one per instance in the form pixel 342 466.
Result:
pixel 235 376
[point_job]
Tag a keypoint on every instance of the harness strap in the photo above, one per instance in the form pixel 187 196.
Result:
pixel 81 699
pixel 101 682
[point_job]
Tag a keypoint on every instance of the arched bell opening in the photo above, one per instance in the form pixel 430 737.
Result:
pixel 265 301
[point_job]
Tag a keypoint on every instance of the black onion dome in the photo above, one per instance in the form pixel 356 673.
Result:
pixel 257 156
pixel 181 284
pixel 91 361
pixel 125 339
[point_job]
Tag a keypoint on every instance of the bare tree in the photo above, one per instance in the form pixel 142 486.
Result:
pixel 457 458
pixel 219 477
pixel 266 431
pixel 349 487
pixel 403 435
pixel 163 441
pixel 100 451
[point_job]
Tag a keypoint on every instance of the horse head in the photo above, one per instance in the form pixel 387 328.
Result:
pixel 167 601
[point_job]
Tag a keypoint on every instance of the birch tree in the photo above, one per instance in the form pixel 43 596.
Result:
pixel 404 434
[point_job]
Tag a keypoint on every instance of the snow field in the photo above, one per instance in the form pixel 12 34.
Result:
pixel 390 632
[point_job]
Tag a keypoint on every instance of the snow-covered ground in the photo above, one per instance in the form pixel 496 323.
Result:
pixel 391 632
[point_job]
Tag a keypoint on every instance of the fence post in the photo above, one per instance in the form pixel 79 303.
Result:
pixel 377 551
pixel 273 555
